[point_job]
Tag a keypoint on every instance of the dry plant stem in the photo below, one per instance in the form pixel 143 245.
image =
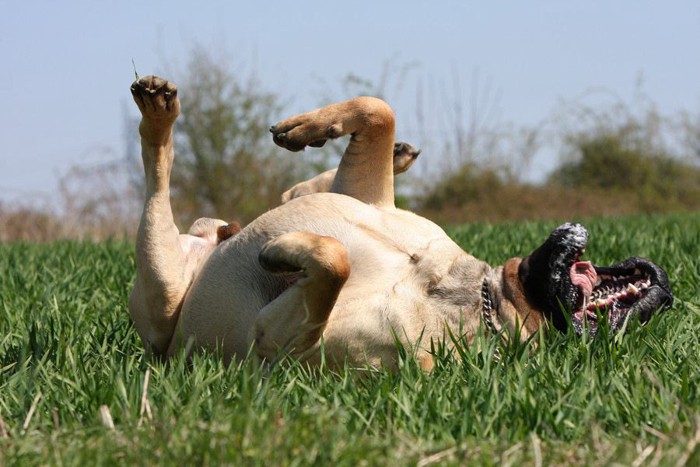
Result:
pixel 106 417
pixel 30 414
pixel 145 411
pixel 4 434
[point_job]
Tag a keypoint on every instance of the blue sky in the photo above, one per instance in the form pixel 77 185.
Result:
pixel 66 66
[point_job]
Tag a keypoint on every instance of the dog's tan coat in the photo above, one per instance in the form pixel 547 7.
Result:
pixel 345 270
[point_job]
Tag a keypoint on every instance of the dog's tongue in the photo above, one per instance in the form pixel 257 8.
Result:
pixel 583 275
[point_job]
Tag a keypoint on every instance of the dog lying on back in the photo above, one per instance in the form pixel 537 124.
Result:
pixel 341 274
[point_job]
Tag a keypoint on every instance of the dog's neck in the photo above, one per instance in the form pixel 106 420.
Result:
pixel 504 306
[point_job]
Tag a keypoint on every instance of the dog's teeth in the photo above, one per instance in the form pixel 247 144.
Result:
pixel 631 289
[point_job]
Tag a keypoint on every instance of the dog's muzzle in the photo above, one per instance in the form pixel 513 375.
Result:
pixel 568 290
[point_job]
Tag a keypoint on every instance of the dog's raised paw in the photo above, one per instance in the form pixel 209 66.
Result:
pixel 282 139
pixel 295 133
pixel 156 98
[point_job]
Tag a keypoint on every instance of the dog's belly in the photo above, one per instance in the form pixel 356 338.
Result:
pixel 395 258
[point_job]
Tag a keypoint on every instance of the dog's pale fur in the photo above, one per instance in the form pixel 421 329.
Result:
pixel 345 271
pixel 404 157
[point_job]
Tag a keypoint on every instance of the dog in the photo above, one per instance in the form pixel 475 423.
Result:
pixel 341 274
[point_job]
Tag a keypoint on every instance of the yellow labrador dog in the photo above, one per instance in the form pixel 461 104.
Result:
pixel 345 272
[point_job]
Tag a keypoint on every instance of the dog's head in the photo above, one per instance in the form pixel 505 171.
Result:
pixel 554 283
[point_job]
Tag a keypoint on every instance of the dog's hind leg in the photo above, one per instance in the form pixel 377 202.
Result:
pixel 318 266
pixel 366 170
pixel 161 272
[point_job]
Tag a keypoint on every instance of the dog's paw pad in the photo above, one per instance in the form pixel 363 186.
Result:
pixel 282 140
pixel 156 97
pixel 304 130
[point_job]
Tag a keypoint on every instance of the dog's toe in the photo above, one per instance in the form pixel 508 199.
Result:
pixel 282 139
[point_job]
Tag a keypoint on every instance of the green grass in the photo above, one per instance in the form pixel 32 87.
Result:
pixel 67 348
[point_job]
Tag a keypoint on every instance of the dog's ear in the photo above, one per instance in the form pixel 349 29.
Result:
pixel 533 274
pixel 516 305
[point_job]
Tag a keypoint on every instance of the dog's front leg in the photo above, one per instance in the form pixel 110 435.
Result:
pixel 160 262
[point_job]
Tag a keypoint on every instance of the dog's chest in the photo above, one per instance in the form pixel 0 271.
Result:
pixel 410 281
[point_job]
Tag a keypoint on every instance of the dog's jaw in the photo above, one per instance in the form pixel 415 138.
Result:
pixel 568 291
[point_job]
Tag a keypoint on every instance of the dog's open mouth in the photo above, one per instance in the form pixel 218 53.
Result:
pixel 633 288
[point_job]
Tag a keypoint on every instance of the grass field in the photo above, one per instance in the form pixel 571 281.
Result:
pixel 76 387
